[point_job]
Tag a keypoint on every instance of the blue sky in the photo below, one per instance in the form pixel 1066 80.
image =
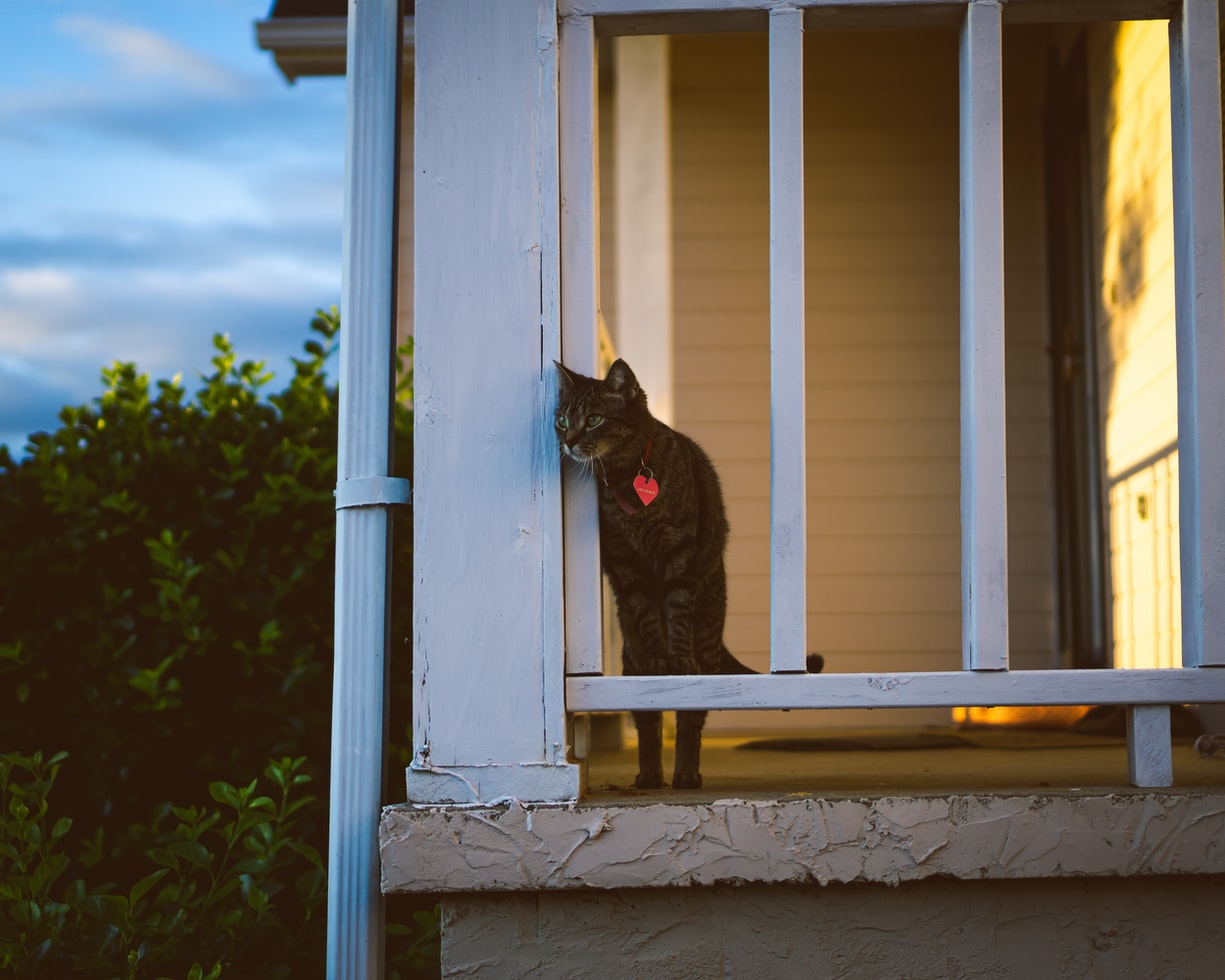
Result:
pixel 159 182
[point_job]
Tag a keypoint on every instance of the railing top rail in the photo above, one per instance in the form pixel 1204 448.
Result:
pixel 685 16
pixel 931 689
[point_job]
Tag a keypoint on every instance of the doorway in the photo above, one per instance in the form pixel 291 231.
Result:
pixel 1078 490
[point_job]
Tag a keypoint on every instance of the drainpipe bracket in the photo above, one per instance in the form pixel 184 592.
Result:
pixel 373 491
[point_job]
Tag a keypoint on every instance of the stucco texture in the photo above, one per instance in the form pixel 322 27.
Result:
pixel 1143 927
pixel 889 840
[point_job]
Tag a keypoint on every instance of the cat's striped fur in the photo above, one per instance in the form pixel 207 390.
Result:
pixel 664 559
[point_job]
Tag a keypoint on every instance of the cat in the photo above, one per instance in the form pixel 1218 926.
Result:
pixel 663 531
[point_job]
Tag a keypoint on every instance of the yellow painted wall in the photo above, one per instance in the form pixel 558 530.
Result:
pixel 1134 251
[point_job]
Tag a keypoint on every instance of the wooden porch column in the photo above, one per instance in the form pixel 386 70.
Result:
pixel 489 716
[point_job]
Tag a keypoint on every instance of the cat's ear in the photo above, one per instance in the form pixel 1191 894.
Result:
pixel 565 380
pixel 622 378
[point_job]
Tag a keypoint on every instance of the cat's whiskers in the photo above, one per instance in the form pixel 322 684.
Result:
pixel 586 464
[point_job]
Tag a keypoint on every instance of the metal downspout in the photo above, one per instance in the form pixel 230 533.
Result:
pixel 365 490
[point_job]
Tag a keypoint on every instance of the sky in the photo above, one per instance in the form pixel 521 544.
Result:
pixel 160 182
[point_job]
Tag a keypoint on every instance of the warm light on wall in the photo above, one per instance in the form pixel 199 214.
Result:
pixel 1037 716
pixel 1134 248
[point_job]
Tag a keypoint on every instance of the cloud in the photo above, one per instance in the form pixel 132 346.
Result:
pixel 51 355
pixel 34 263
pixel 147 56
pixel 153 244
pixel 30 399
pixel 37 283
pixel 131 311
pixel 154 91
pixel 266 124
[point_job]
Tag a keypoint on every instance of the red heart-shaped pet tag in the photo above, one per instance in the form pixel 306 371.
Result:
pixel 646 488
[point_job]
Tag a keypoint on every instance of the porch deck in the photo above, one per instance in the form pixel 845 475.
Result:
pixel 938 761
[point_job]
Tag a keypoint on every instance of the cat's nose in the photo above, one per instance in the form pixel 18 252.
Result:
pixel 569 443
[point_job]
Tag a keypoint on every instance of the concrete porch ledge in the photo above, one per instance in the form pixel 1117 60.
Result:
pixel 890 840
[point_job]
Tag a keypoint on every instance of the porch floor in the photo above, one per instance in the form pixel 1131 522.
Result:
pixel 846 763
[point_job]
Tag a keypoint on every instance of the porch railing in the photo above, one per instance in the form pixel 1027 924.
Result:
pixel 985 678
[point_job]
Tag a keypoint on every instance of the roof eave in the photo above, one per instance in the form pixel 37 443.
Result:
pixel 306 47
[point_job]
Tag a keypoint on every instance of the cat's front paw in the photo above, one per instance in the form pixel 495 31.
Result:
pixel 649 780
pixel 687 779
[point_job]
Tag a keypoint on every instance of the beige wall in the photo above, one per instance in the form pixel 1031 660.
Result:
pixel 882 349
pixel 1088 927
pixel 1134 251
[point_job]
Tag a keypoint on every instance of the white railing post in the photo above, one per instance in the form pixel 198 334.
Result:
pixel 788 455
pixel 580 303
pixel 364 490
pixel 984 503
pixel 1195 118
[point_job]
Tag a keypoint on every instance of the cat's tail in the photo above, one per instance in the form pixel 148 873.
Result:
pixel 730 665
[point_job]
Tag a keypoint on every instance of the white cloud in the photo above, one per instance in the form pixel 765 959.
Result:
pixel 145 54
pixel 264 278
pixel 43 282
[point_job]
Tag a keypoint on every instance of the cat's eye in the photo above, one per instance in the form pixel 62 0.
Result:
pixel 594 420
pixel 563 423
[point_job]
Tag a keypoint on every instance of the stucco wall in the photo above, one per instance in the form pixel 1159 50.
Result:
pixel 1074 928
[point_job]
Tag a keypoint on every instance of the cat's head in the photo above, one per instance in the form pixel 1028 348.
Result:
pixel 599 421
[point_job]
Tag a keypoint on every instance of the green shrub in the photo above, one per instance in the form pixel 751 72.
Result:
pixel 210 893
pixel 166 620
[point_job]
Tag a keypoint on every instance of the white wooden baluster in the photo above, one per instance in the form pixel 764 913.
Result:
pixel 580 236
pixel 1195 117
pixel 984 506
pixel 788 524
pixel 1149 760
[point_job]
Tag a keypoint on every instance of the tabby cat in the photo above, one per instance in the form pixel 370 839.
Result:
pixel 663 530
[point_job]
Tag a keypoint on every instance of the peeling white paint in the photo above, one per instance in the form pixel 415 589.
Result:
pixel 889 840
